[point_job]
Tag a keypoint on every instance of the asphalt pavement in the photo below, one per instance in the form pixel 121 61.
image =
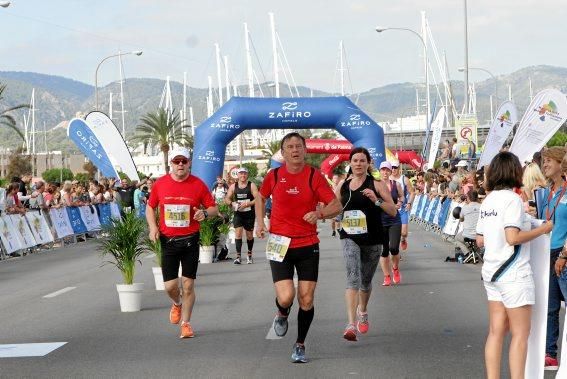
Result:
pixel 432 325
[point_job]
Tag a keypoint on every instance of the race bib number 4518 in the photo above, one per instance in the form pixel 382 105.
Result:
pixel 176 215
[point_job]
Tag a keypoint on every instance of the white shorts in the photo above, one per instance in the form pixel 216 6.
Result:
pixel 512 294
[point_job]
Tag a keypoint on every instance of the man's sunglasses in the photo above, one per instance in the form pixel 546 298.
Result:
pixel 180 161
pixel 393 167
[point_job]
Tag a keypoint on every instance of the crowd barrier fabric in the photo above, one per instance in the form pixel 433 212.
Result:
pixel 35 228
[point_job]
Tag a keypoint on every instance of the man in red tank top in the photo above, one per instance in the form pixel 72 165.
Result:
pixel 181 198
pixel 295 188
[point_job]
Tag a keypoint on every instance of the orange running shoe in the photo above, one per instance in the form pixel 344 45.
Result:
pixel 387 281
pixel 175 314
pixel 362 323
pixel 350 333
pixel 186 330
pixel 397 276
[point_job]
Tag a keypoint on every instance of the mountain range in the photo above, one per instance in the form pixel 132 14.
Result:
pixel 58 99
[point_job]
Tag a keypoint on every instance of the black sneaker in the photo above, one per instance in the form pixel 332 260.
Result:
pixel 334 234
pixel 15 255
pixel 280 325
pixel 237 261
pixel 298 354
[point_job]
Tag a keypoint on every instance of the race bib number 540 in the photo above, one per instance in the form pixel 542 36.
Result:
pixel 276 247
pixel 176 215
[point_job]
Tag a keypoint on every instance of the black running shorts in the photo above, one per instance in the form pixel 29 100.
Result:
pixel 175 250
pixel 304 259
pixel 244 220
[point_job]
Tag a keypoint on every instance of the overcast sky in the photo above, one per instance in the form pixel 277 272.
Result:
pixel 69 38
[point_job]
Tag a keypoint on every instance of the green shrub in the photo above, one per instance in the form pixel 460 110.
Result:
pixel 57 175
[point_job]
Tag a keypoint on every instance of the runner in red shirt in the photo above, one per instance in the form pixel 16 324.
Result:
pixel 296 188
pixel 180 197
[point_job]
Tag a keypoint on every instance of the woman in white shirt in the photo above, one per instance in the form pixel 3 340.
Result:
pixel 502 228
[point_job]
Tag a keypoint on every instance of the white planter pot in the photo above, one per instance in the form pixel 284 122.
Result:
pixel 158 278
pixel 130 296
pixel 206 254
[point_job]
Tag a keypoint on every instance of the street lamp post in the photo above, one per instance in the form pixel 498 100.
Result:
pixel 462 69
pixel 381 29
pixel 137 52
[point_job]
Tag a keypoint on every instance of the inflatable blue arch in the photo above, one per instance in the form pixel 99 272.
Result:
pixel 243 113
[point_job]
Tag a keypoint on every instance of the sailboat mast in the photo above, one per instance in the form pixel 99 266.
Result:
pixel 122 95
pixel 342 69
pixel 248 61
pixel 217 49
pixel 275 54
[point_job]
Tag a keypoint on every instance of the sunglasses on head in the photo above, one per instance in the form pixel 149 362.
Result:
pixel 180 161
pixel 394 167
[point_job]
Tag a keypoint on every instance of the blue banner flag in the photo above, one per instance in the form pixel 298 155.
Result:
pixel 80 133
pixel 77 223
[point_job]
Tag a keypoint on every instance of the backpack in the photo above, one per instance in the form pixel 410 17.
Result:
pixel 310 178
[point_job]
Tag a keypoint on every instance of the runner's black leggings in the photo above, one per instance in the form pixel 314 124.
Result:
pixel 392 235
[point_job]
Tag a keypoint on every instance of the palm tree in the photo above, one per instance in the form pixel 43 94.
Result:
pixel 163 128
pixel 272 148
pixel 7 119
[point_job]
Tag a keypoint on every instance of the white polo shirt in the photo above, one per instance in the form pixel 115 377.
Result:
pixel 503 262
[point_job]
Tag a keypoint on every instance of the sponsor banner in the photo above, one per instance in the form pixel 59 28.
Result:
pixel 536 341
pixel 8 237
pixel 115 211
pixel 90 218
pixel 502 125
pixel 22 231
pixel 80 133
pixel 76 221
pixel 437 128
pixel 61 222
pixel 104 214
pixel 39 227
pixel 451 223
pixel 107 133
pixel 545 114
pixel 466 127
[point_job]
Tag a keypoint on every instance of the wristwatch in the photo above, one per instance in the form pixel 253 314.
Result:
pixel 205 213
pixel 378 202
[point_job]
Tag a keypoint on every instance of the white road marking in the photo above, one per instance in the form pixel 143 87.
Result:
pixel 29 349
pixel 57 293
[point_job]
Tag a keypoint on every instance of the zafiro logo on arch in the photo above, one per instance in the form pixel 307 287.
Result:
pixel 289 113
pixel 355 122
pixel 225 124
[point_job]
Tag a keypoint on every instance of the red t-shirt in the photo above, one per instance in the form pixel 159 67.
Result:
pixel 176 201
pixel 292 198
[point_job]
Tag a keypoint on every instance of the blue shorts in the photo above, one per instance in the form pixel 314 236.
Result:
pixel 404 215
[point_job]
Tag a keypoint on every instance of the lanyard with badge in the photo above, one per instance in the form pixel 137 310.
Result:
pixel 548 214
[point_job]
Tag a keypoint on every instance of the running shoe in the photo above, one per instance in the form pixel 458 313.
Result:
pixel 397 276
pixel 175 313
pixel 387 281
pixel 350 333
pixel 249 260
pixel 404 245
pixel 298 354
pixel 334 234
pixel 186 330
pixel 280 324
pixel 362 323
pixel 551 363
pixel 237 261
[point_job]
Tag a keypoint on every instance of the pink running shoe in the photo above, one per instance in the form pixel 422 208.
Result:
pixel 362 323
pixel 387 281
pixel 397 276
pixel 404 245
pixel 551 363
pixel 350 333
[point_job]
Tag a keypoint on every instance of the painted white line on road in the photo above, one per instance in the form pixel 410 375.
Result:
pixel 272 335
pixel 29 349
pixel 57 293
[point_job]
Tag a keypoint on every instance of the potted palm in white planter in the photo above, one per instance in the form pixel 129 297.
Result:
pixel 207 237
pixel 155 247
pixel 123 249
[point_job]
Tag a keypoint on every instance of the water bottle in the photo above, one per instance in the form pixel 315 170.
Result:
pixel 460 258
